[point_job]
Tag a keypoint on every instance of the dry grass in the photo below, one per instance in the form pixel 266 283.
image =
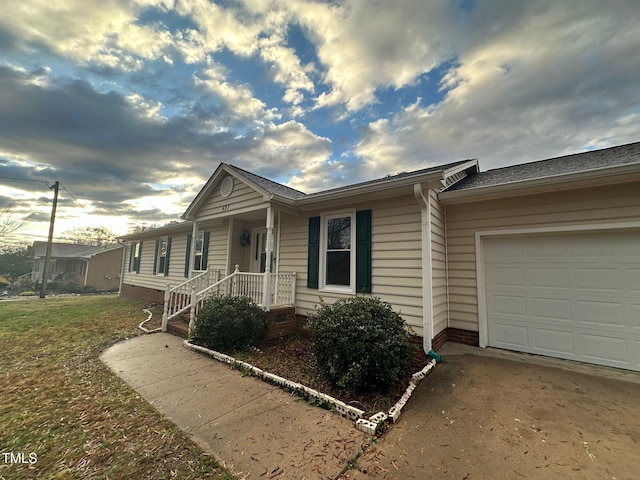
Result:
pixel 59 401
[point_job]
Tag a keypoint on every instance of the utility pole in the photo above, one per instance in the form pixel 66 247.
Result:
pixel 45 274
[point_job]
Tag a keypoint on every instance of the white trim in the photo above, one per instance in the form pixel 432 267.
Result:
pixel 254 265
pixel 159 273
pixel 483 321
pixel 322 270
pixel 427 273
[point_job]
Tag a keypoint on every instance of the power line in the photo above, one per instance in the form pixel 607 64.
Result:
pixel 25 180
pixel 72 196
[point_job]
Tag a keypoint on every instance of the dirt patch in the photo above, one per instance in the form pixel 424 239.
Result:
pixel 292 358
pixel 478 417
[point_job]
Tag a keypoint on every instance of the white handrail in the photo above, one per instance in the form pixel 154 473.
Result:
pixel 191 295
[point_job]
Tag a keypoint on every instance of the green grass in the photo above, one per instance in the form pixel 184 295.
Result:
pixel 59 401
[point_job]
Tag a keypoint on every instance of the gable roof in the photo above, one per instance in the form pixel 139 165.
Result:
pixel 580 169
pixel 273 190
pixel 269 185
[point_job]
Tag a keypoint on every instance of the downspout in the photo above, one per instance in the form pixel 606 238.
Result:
pixel 427 289
pixel 124 254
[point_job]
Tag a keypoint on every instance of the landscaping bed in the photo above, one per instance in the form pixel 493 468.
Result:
pixel 292 358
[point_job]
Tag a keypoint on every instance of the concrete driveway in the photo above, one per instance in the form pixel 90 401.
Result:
pixel 495 415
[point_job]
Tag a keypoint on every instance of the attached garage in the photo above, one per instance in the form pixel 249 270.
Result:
pixel 569 295
pixel 544 257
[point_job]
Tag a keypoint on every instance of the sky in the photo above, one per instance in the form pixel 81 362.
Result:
pixel 131 105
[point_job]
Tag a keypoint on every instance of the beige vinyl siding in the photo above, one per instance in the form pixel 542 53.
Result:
pixel 438 265
pixel 217 254
pixel 146 278
pixel 596 205
pixel 217 259
pixel 242 199
pixel 396 257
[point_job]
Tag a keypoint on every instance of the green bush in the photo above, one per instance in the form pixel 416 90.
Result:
pixel 229 324
pixel 360 344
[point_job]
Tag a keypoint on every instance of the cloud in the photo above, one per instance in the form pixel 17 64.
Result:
pixel 365 46
pixel 514 96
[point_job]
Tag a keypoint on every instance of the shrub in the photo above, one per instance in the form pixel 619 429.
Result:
pixel 229 324
pixel 360 343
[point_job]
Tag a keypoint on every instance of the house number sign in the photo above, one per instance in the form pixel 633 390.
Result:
pixel 225 207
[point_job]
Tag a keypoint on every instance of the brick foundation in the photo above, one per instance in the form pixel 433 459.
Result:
pixel 439 340
pixel 281 322
pixel 142 293
pixel 467 337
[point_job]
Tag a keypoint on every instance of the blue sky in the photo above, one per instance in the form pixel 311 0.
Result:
pixel 131 105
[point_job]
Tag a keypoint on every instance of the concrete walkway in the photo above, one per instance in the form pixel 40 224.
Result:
pixel 254 429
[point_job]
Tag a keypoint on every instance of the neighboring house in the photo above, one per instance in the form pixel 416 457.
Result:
pixel 542 257
pixel 79 265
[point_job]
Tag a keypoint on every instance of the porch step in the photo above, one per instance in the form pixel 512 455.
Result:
pixel 179 327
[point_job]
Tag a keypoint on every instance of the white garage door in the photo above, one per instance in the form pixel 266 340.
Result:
pixel 572 296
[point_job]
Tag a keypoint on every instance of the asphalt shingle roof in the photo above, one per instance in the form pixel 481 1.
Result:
pixel 578 162
pixel 391 177
pixel 69 250
pixel 269 185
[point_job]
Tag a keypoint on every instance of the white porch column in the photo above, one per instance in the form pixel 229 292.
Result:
pixel 192 256
pixel 266 289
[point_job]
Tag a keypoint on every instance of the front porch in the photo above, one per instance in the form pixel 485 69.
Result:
pixel 271 291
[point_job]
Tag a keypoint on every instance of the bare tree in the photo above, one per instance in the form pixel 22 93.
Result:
pixel 91 236
pixel 8 223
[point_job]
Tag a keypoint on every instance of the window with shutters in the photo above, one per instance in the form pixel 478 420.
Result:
pixel 337 266
pixel 162 256
pixel 134 259
pixel 197 257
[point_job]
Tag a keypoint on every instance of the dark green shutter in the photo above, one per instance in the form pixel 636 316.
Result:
pixel 137 267
pixel 205 250
pixel 155 257
pixel 313 253
pixel 131 250
pixel 363 251
pixel 187 258
pixel 166 260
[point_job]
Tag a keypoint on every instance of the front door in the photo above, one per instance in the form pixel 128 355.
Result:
pixel 258 250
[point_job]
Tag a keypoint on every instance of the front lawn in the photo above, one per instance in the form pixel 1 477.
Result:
pixel 64 415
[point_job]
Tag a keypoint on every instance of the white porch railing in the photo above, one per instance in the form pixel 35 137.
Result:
pixel 191 295
pixel 177 299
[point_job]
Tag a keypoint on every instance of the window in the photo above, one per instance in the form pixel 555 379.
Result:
pixel 163 249
pixel 197 258
pixel 134 257
pixel 83 268
pixel 200 255
pixel 337 251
